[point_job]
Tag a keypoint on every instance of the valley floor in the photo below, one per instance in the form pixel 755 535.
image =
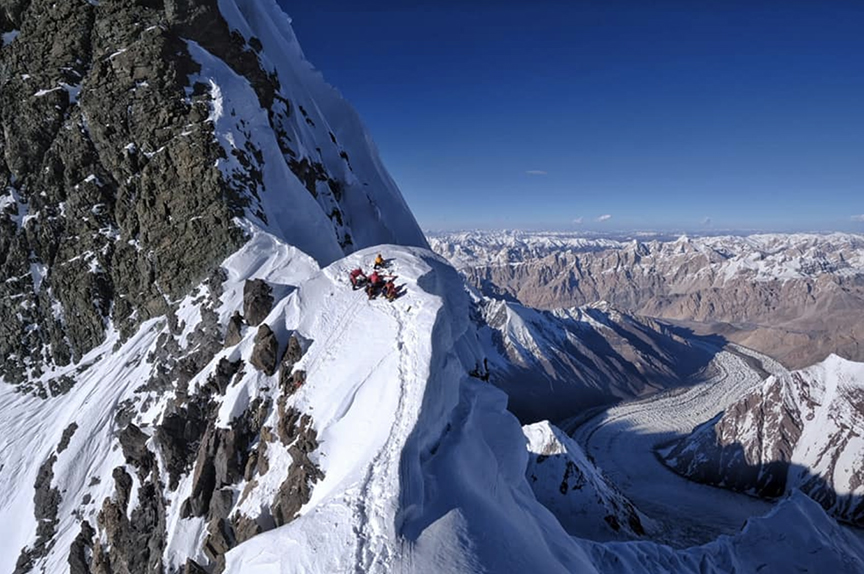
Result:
pixel 622 440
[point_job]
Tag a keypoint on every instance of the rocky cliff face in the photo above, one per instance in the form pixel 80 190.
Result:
pixel 154 155
pixel 797 298
pixel 133 136
pixel 800 430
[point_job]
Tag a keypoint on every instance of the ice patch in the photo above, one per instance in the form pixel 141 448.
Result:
pixel 37 272
pixel 8 37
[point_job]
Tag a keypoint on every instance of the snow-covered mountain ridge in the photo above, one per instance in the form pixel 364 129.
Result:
pixel 799 430
pixel 228 402
pixel 762 256
pixel 134 135
pixel 553 364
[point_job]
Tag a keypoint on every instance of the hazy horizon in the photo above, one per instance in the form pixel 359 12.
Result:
pixel 618 231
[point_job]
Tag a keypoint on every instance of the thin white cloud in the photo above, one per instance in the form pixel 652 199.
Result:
pixel 578 221
pixel 537 172
pixel 858 217
pixel 603 218
pixel 706 221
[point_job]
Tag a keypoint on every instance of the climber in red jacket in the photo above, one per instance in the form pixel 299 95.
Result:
pixel 358 278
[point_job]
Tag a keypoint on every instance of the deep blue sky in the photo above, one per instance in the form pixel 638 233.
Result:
pixel 660 114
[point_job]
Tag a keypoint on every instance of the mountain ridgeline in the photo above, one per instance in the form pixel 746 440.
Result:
pixel 189 383
pixel 796 297
pixel 116 194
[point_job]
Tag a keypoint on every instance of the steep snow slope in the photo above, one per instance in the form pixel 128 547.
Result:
pixel 796 430
pixel 555 364
pixel 363 203
pixel 577 493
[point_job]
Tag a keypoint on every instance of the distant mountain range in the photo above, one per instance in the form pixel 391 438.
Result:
pixel 796 297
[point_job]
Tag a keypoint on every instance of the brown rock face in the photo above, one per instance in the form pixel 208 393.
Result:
pixel 124 209
pixel 296 490
pixel 235 326
pixel 265 350
pixel 257 301
pixel 797 430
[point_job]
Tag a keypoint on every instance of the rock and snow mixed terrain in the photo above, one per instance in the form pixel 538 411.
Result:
pixel 576 492
pixel 622 441
pixel 795 297
pixel 799 430
pixel 189 384
pixel 133 135
pixel 553 364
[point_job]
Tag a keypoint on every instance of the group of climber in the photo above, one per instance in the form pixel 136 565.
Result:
pixel 376 283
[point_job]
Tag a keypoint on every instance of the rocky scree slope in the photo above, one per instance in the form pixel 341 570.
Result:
pixel 133 135
pixel 795 297
pixel 800 430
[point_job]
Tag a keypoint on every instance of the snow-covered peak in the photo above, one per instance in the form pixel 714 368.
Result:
pixel 575 491
pixel 759 257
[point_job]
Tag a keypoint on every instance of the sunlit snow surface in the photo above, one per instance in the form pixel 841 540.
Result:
pixel 424 466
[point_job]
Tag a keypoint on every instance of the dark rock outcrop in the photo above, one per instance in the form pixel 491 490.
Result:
pixel 133 441
pixel 296 489
pixel 245 528
pixel 235 327
pixel 289 381
pixel 265 350
pixel 67 436
pixel 218 382
pixel 222 458
pixel 220 539
pixel 135 543
pixel 46 500
pixel 122 486
pixel 180 434
pixel 192 567
pixel 257 300
pixel 81 550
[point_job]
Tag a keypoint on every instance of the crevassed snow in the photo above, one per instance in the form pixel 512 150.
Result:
pixel 687 512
